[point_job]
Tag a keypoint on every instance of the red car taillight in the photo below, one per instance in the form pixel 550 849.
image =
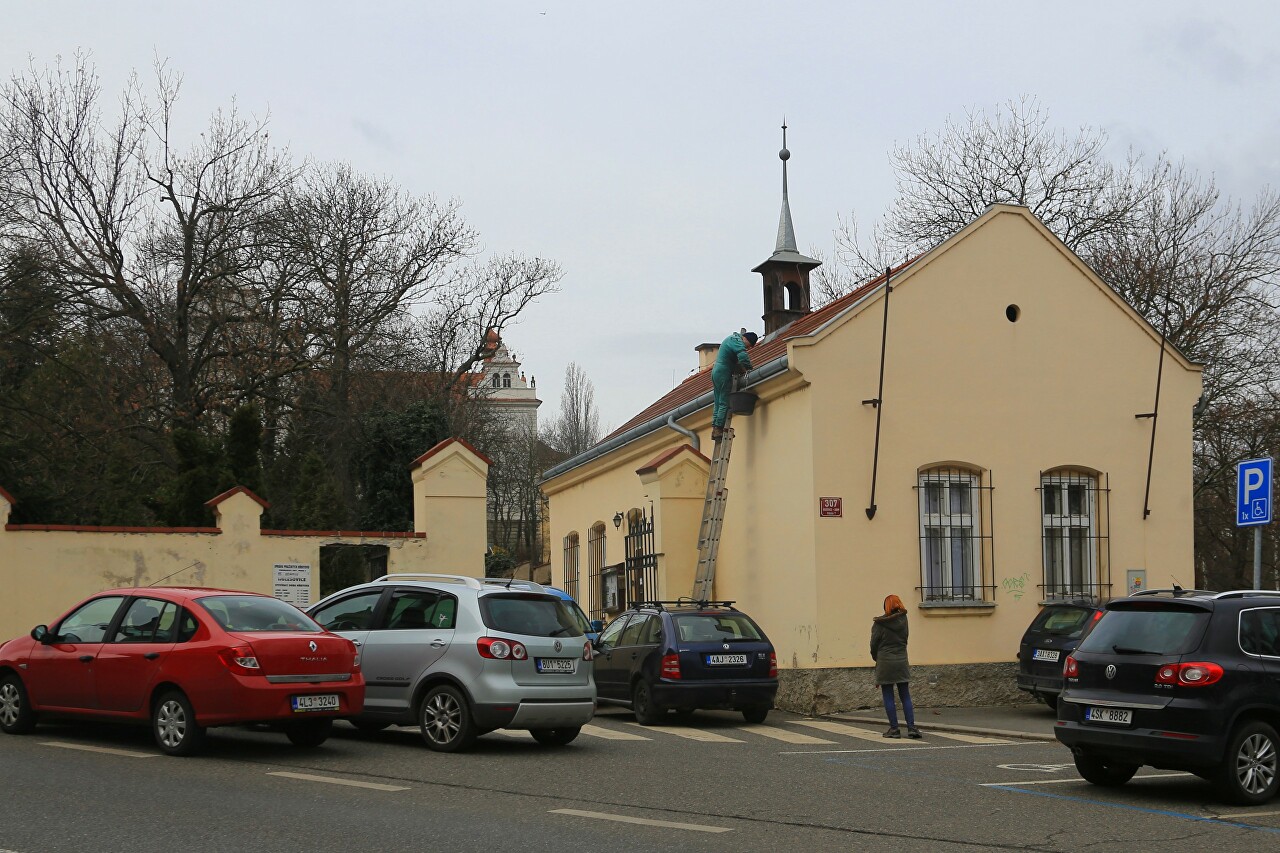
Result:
pixel 1196 674
pixel 773 664
pixel 1071 668
pixel 587 652
pixel 492 647
pixel 241 660
pixel 671 666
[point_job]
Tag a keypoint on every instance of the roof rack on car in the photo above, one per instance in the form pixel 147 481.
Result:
pixel 681 602
pixel 513 583
pixel 1247 593
pixel 474 583
pixel 1176 592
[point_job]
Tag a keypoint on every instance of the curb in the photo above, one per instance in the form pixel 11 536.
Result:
pixel 951 727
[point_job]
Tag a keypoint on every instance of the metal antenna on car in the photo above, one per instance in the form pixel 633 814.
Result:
pixel 180 571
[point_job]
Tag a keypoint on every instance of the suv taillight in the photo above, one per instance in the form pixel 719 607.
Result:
pixel 773 665
pixel 496 649
pixel 671 666
pixel 1197 674
pixel 1071 668
pixel 240 660
pixel 587 652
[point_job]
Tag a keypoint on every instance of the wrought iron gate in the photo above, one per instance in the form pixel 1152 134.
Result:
pixel 641 565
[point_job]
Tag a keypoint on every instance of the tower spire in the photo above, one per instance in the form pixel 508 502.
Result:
pixel 786 230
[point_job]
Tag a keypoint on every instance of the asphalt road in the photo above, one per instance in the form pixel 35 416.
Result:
pixel 714 783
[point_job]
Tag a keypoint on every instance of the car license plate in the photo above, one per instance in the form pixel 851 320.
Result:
pixel 556 664
pixel 726 660
pixel 316 702
pixel 1116 716
pixel 1045 654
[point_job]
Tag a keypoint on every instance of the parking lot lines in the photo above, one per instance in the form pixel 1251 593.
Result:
pixel 963 738
pixel 783 734
pixel 841 729
pixel 1072 779
pixel 610 734
pixel 695 827
pixel 333 780
pixel 690 734
pixel 125 753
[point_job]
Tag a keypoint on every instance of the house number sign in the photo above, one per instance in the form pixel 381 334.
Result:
pixel 830 507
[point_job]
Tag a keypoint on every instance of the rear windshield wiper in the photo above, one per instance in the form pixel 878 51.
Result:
pixel 1122 650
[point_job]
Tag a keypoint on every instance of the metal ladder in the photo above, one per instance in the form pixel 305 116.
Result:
pixel 713 517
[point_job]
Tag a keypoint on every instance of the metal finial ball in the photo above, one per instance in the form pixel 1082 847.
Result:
pixel 784 154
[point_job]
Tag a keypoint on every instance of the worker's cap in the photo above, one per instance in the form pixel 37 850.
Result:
pixel 751 337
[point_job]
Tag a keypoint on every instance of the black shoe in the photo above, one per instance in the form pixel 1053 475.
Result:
pixel 893 732
pixel 717 433
pixel 913 732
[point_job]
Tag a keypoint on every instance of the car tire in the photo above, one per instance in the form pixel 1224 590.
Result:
pixel 173 723
pixel 555 737
pixel 1250 773
pixel 642 704
pixel 309 733
pixel 446 721
pixel 755 715
pixel 16 716
pixel 1102 771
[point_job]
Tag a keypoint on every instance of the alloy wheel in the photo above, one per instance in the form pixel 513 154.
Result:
pixel 442 718
pixel 1256 763
pixel 171 723
pixel 10 703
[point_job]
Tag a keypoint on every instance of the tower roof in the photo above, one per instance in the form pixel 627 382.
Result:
pixel 786 251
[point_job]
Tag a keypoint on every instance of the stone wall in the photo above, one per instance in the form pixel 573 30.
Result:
pixel 825 691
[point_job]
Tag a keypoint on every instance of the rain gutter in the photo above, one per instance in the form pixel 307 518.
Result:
pixel 754 377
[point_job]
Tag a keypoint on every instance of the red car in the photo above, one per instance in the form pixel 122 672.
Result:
pixel 183 659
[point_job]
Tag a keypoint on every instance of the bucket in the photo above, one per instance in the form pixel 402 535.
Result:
pixel 742 402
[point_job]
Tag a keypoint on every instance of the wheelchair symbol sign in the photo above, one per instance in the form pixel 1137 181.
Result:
pixel 1253 492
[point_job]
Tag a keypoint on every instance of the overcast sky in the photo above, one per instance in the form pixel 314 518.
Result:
pixel 636 144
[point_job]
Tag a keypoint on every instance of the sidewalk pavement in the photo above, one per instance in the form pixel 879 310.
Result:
pixel 1028 722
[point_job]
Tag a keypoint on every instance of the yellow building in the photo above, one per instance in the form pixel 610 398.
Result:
pixel 1013 457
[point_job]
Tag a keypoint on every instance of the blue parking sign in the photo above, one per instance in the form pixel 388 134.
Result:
pixel 1253 492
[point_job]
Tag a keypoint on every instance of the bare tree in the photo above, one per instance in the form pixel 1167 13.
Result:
pixel 578 426
pixel 139 227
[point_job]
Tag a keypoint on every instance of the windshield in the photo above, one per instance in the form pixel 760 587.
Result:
pixel 256 613
pixel 715 628
pixel 1149 630
pixel 1062 621
pixel 532 615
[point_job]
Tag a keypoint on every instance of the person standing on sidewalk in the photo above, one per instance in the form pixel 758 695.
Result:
pixel 731 360
pixel 889 651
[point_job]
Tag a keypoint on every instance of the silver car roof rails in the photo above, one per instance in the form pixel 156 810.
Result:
pixel 473 583
pixel 513 583
pixel 1176 592
pixel 1248 593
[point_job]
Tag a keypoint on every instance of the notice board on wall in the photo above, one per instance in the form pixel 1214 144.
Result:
pixel 292 583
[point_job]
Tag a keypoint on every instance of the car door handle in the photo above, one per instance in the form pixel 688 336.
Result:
pixel 86 658
pixel 357 643
pixel 151 655
pixel 437 644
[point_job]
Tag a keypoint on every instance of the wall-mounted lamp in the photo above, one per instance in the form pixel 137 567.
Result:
pixel 617 521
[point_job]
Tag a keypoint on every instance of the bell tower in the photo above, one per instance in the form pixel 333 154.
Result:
pixel 786 272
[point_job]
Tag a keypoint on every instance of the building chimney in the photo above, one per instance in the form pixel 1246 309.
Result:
pixel 706 355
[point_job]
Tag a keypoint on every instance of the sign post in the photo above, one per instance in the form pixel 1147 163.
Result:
pixel 1253 505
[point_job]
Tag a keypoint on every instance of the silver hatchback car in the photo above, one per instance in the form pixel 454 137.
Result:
pixel 460 656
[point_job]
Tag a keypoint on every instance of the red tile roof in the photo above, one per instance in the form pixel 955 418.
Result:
pixel 762 353
pixel 654 463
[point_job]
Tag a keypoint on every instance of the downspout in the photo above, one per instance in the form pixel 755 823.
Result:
pixel 688 433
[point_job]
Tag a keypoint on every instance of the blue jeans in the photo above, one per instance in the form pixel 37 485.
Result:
pixel 891 710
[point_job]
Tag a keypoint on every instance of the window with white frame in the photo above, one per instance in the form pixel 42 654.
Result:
pixel 951 566
pixel 1072 546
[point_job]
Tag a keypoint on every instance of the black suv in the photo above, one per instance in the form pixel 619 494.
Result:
pixel 1179 680
pixel 684 655
pixel 1051 636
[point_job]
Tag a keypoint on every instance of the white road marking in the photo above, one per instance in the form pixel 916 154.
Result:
pixel 912 746
pixel 307 777
pixel 610 734
pixel 1076 779
pixel 843 729
pixel 1232 816
pixel 695 827
pixel 518 734
pixel 126 753
pixel 691 734
pixel 782 734
pixel 965 738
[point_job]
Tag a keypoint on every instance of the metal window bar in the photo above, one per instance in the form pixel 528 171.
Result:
pixel 572 554
pixel 595 570
pixel 641 563
pixel 957 561
pixel 1075 546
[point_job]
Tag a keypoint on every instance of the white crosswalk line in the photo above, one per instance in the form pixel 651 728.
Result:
pixel 610 734
pixel 518 734
pixel 782 734
pixel 844 729
pixel 963 738
pixel 701 735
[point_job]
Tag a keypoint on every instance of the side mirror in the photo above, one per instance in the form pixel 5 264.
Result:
pixel 40 633
pixel 597 625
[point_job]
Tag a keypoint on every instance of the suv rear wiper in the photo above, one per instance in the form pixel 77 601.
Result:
pixel 1122 650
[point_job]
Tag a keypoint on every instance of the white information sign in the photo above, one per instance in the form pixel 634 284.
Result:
pixel 293 583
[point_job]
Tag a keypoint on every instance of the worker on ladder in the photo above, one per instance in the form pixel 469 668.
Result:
pixel 731 360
